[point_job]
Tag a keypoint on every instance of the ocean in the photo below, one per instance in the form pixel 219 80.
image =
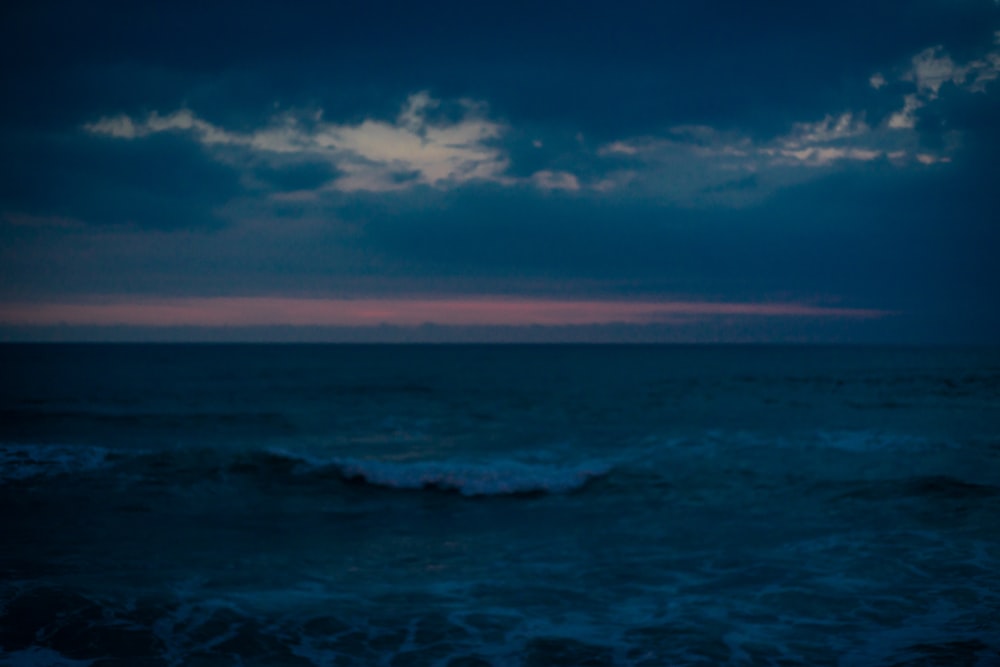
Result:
pixel 491 505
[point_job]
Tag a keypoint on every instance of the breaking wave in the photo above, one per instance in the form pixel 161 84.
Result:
pixel 493 477
pixel 479 478
pixel 25 462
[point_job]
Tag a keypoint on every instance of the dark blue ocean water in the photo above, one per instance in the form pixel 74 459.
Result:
pixel 499 505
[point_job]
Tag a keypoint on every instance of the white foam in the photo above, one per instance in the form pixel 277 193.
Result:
pixel 470 478
pixel 20 462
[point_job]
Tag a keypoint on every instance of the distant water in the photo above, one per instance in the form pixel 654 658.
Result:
pixel 510 506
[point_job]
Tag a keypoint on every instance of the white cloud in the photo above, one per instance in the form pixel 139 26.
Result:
pixel 372 155
pixel 904 119
pixel 119 127
pixel 123 127
pixel 619 148
pixel 699 165
pixel 681 141
pixel 555 180
pixel 931 69
pixel 821 156
pixel 985 70
pixel 928 159
pixel 693 163
pixel 831 128
pixel 812 144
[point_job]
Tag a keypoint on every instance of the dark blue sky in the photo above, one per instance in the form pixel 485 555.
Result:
pixel 763 171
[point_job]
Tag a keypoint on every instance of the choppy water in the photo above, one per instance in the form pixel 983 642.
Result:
pixel 490 505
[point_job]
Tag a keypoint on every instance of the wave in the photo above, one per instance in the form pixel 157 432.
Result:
pixel 658 464
pixel 940 488
pixel 493 477
pixel 469 478
pixel 25 462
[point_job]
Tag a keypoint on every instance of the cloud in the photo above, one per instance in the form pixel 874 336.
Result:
pixel 555 180
pixel 831 128
pixel 448 143
pixel 812 144
pixel 928 159
pixel 695 162
pixel 905 118
pixel 157 182
pixel 931 69
pixel 618 148
pixel 372 155
pixel 825 142
pixel 816 156
pixel 123 127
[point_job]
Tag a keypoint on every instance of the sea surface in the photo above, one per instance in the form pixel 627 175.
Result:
pixel 512 506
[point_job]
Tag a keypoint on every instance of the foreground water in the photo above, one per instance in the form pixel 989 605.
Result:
pixel 490 505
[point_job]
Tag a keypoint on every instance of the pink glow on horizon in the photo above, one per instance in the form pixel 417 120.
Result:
pixel 462 311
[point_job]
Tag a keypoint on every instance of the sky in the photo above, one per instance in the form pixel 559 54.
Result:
pixel 711 171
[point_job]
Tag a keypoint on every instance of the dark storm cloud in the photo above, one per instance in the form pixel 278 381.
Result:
pixel 611 67
pixel 157 183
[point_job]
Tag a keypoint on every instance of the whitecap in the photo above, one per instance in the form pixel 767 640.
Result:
pixel 469 478
pixel 21 462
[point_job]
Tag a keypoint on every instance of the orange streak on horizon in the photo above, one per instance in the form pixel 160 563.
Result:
pixel 482 311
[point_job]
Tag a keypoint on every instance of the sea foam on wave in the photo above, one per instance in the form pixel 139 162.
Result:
pixel 470 478
pixel 20 462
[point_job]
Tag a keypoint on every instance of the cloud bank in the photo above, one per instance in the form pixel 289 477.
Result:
pixel 372 155
pixel 446 144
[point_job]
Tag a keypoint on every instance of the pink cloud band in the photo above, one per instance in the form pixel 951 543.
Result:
pixel 467 311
